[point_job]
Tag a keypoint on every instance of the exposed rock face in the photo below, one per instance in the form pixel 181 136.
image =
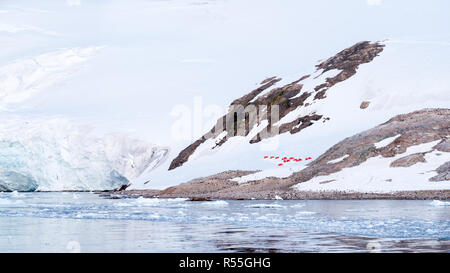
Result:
pixel 348 60
pixel 205 185
pixel 408 160
pixel 364 104
pixel 250 110
pixel 414 128
pixel 184 155
pixel 214 188
pixel 444 145
pixel 443 173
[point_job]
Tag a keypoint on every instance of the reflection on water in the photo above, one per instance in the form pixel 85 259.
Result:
pixel 328 242
pixel 84 222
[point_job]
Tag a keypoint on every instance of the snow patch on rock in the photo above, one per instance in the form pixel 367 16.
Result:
pixel 375 175
pixel 274 172
pixel 338 159
pixel 385 142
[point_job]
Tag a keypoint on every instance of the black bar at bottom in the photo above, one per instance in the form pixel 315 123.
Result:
pixel 232 262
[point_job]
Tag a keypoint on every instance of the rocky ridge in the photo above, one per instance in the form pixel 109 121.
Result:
pixel 251 109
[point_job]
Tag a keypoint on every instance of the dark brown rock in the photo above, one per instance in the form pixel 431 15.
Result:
pixel 268 80
pixel 350 58
pixel 364 104
pixel 122 188
pixel 200 199
pixel 184 155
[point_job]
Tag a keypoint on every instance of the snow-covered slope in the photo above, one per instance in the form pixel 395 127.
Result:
pixel 25 77
pixel 54 155
pixel 376 174
pixel 403 78
pixel 410 152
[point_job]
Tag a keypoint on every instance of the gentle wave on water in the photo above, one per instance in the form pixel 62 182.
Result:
pixel 267 206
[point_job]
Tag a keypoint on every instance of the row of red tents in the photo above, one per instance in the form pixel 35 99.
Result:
pixel 286 159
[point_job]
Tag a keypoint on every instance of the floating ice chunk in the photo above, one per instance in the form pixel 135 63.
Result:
pixel 268 205
pixel 439 203
pixel 177 199
pixel 216 203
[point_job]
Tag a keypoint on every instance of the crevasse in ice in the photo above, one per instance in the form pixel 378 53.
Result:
pixel 54 155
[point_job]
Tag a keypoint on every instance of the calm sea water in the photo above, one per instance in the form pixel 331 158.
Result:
pixel 85 222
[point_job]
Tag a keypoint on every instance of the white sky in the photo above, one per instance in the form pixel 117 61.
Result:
pixel 158 54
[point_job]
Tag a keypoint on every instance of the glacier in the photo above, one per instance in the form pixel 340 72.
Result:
pixel 56 154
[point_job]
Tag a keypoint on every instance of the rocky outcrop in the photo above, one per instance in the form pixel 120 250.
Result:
pixel 364 104
pixel 412 129
pixel 253 108
pixel 444 145
pixel 408 160
pixel 443 173
pixel 206 185
pixel 219 188
pixel 348 60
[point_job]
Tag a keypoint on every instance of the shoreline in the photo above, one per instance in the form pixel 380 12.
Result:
pixel 293 195
pixel 274 195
